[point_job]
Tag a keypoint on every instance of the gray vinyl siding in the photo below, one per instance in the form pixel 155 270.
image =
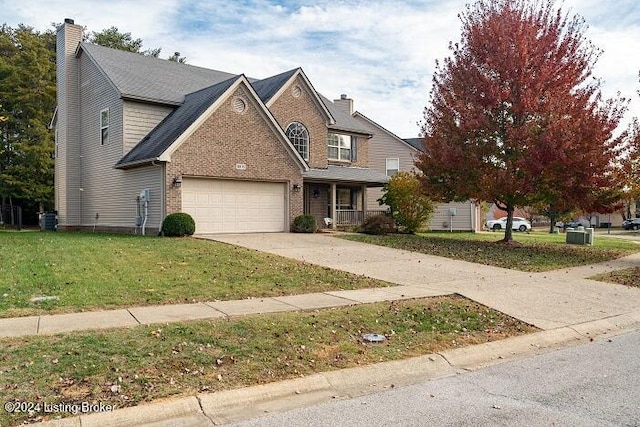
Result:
pixel 139 119
pixel 67 170
pixel 383 145
pixel 464 218
pixel 108 192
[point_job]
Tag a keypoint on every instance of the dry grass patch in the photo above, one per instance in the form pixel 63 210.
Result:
pixel 533 252
pixel 125 367
pixel 628 277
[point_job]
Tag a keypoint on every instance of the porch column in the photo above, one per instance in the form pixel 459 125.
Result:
pixel 334 216
pixel 364 202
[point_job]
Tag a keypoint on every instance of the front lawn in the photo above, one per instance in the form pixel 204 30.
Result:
pixel 124 367
pixel 86 271
pixel 537 251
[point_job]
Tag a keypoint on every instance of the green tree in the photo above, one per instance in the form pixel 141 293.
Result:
pixel 410 208
pixel 515 115
pixel 27 94
pixel 177 58
pixel 113 38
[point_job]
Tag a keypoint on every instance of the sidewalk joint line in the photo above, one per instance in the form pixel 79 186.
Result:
pixel 445 359
pixel 341 297
pixel 202 411
pixel 38 325
pixel 134 317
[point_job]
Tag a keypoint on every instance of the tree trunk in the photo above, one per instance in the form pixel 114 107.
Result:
pixel 13 220
pixel 552 224
pixel 508 232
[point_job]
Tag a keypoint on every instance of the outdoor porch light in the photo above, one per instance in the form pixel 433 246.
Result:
pixel 316 193
pixel 296 187
pixel 177 181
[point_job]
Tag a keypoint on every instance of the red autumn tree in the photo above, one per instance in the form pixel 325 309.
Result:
pixel 630 171
pixel 515 117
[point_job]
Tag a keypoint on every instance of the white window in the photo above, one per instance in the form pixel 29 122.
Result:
pixel 393 166
pixel 299 137
pixel 339 147
pixel 104 126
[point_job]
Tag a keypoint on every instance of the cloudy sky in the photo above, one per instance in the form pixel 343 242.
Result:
pixel 380 52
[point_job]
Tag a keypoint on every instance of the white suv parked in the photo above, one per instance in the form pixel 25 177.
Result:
pixel 519 224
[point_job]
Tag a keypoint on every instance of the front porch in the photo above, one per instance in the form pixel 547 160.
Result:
pixel 337 196
pixel 355 217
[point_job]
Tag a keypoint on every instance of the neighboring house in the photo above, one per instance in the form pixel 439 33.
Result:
pixel 389 154
pixel 138 138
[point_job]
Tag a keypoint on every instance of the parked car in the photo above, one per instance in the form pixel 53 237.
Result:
pixel 574 223
pixel 631 224
pixel 519 224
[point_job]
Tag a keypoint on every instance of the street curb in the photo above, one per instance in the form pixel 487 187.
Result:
pixel 244 403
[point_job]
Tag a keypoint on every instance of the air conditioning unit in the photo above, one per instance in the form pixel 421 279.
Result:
pixel 577 237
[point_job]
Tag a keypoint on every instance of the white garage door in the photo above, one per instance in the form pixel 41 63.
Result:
pixel 226 206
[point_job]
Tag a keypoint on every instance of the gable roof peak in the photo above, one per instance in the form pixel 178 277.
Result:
pixel 268 87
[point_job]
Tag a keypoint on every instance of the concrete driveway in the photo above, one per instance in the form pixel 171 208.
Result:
pixel 547 300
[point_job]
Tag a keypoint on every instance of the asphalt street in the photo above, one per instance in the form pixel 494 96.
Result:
pixel 597 384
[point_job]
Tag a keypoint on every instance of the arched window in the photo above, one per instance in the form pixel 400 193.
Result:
pixel 299 137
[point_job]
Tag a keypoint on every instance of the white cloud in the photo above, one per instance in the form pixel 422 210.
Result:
pixel 380 52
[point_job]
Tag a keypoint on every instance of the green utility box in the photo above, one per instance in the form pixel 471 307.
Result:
pixel 580 237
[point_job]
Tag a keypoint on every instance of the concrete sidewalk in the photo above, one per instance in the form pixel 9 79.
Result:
pixel 160 314
pixel 570 309
pixel 547 300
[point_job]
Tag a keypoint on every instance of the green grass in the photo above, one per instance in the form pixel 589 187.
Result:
pixel 628 277
pixel 124 367
pixel 537 251
pixel 99 271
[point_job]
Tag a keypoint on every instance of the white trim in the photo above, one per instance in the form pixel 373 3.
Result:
pixel 104 141
pixel 387 168
pixel 339 147
pixel 308 141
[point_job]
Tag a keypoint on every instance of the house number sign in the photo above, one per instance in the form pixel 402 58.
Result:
pixel 241 166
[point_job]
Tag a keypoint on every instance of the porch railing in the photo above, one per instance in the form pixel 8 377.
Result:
pixel 355 217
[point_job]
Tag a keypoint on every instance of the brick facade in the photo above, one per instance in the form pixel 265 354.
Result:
pixel 288 108
pixel 227 138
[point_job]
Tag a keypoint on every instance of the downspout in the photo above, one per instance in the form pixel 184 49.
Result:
pixel 146 214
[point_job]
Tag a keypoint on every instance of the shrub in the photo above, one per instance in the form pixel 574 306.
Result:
pixel 411 208
pixel 378 224
pixel 304 224
pixel 178 224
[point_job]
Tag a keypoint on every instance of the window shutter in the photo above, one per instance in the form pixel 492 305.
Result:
pixel 354 149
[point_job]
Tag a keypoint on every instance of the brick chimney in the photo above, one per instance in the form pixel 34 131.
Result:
pixel 344 104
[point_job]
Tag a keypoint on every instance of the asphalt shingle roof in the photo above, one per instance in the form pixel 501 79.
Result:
pixel 344 121
pixel 415 143
pixel 175 124
pixel 268 87
pixel 191 89
pixel 152 79
pixel 347 174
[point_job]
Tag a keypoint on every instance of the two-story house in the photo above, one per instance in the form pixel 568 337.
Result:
pixel 138 138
